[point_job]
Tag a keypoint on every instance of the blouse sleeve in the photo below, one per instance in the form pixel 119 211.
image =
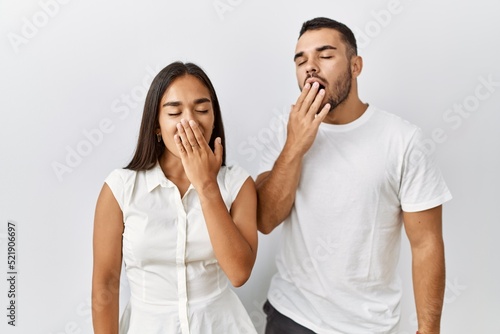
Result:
pixel 116 183
pixel 235 177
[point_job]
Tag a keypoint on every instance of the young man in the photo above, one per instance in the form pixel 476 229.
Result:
pixel 344 180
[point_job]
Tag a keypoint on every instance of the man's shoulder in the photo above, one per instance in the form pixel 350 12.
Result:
pixel 393 123
pixel 392 118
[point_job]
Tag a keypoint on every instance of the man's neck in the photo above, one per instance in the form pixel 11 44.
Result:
pixel 347 112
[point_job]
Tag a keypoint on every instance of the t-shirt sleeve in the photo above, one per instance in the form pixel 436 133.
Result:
pixel 276 137
pixel 116 183
pixel 422 185
pixel 235 177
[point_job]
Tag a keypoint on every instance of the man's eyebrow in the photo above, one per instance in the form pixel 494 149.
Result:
pixel 326 47
pixel 298 55
pixel 318 49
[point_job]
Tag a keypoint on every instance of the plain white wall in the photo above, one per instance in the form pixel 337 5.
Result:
pixel 68 68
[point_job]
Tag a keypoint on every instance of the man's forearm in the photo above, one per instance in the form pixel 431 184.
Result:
pixel 429 285
pixel 276 192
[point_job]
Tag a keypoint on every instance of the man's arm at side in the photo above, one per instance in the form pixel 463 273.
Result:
pixel 424 230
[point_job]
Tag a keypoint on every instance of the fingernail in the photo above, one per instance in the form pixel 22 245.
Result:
pixel 322 91
pixel 191 122
pixel 315 84
pixel 307 85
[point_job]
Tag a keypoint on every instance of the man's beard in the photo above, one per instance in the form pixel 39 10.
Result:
pixel 340 90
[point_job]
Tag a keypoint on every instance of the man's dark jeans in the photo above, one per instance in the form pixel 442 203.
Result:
pixel 277 323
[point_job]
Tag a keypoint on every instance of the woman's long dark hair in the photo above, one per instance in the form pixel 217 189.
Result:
pixel 149 150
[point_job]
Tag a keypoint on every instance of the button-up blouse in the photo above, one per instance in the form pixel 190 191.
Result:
pixel 176 283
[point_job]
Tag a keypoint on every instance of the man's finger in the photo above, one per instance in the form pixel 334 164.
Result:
pixel 310 98
pixel 316 105
pixel 322 114
pixel 302 96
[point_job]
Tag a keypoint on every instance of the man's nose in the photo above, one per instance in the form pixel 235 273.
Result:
pixel 311 67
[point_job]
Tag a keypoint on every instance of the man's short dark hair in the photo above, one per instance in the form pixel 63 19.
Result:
pixel 346 34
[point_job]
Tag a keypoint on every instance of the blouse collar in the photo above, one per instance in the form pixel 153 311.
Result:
pixel 155 177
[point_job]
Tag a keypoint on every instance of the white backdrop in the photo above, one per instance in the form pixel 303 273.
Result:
pixel 73 77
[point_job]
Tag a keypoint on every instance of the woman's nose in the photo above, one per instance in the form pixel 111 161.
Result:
pixel 190 115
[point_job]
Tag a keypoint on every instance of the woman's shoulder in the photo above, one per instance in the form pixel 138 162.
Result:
pixel 122 173
pixel 231 178
pixel 232 171
pixel 121 176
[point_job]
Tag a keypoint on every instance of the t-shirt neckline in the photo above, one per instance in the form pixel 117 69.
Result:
pixel 352 125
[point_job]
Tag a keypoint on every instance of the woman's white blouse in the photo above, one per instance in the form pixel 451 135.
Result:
pixel 176 283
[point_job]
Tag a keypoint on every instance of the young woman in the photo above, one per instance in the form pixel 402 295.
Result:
pixel 184 222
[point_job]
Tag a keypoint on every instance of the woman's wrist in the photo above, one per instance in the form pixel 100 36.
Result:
pixel 209 189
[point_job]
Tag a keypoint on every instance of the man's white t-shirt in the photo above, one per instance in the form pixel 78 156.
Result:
pixel 340 244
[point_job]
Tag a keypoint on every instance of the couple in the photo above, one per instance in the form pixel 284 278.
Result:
pixel 345 177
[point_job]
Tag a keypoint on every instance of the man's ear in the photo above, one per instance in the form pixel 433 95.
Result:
pixel 356 66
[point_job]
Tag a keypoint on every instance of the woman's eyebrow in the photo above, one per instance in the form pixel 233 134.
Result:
pixel 201 100
pixel 172 104
pixel 178 103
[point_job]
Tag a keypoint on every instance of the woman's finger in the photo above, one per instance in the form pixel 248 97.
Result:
pixel 191 139
pixel 218 150
pixel 180 146
pixel 183 137
pixel 200 139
